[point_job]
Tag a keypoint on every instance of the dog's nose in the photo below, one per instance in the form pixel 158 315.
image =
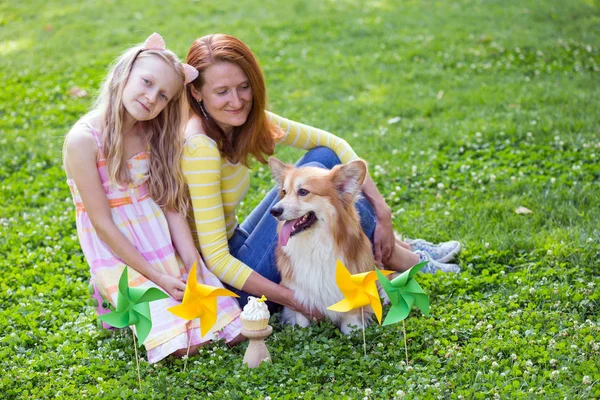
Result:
pixel 276 211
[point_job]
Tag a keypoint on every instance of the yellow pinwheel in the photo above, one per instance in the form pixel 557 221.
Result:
pixel 359 290
pixel 200 301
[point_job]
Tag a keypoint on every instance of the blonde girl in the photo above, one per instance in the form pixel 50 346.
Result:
pixel 123 165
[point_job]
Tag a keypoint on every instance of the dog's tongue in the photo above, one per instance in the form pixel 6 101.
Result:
pixel 284 233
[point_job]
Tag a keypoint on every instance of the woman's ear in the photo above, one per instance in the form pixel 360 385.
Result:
pixel 195 93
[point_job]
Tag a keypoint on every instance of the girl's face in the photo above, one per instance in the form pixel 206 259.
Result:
pixel 152 83
pixel 226 94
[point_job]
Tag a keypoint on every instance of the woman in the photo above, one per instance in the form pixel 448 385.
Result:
pixel 228 125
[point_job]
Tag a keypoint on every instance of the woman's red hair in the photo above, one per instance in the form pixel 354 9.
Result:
pixel 256 136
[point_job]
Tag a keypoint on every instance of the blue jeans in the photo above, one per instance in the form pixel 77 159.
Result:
pixel 255 240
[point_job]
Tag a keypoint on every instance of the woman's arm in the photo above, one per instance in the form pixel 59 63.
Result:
pixel 80 162
pixel 202 168
pixel 307 137
pixel 384 238
pixel 259 285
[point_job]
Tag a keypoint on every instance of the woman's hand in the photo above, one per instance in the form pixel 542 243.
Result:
pixel 384 238
pixel 175 287
pixel 309 313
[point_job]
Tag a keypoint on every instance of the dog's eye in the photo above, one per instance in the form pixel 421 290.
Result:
pixel 283 192
pixel 303 192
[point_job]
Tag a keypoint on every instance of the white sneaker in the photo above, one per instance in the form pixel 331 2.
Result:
pixel 442 252
pixel 433 266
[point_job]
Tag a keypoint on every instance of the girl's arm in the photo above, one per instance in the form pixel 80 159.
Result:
pixel 182 240
pixel 80 162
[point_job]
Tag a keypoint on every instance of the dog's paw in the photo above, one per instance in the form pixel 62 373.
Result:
pixel 294 318
pixel 350 325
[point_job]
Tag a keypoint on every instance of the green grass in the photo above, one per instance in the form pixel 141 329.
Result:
pixel 464 109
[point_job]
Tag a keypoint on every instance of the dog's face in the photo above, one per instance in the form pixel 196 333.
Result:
pixel 310 196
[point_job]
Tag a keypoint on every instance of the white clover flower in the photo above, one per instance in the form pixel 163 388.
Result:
pixel 368 391
pixel 586 380
pixel 528 363
pixel 495 364
pixel 400 394
pixel 554 374
pixel 553 361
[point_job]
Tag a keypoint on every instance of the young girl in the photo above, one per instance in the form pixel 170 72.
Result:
pixel 123 164
pixel 229 125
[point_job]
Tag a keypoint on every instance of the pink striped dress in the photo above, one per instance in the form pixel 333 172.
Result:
pixel 142 221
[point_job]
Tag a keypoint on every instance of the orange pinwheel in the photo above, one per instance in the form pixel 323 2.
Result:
pixel 200 301
pixel 359 290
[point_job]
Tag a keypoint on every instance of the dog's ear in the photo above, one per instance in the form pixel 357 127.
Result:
pixel 278 170
pixel 348 178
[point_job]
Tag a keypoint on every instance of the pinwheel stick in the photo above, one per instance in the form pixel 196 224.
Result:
pixel 188 352
pixel 362 314
pixel 405 346
pixel 137 360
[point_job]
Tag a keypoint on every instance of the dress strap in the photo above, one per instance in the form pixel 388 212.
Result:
pixel 97 137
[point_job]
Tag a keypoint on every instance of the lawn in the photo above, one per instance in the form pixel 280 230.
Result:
pixel 465 111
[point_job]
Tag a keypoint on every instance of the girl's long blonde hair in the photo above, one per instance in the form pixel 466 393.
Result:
pixel 166 181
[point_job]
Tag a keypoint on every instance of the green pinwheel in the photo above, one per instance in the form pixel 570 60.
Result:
pixel 133 308
pixel 404 292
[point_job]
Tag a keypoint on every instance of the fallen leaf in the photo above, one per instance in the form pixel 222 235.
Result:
pixel 523 210
pixel 77 92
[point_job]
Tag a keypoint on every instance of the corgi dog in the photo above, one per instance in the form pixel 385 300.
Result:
pixel 318 224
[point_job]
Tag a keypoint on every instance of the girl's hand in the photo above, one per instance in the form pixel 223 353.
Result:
pixel 199 265
pixel 175 287
pixel 384 238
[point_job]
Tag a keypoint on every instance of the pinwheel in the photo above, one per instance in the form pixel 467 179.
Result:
pixel 359 290
pixel 199 301
pixel 133 308
pixel 404 292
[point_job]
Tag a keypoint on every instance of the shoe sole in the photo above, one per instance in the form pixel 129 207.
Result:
pixel 450 256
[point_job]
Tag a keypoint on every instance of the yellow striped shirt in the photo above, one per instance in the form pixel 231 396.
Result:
pixel 217 187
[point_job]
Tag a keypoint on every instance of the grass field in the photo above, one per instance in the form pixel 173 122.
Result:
pixel 465 111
